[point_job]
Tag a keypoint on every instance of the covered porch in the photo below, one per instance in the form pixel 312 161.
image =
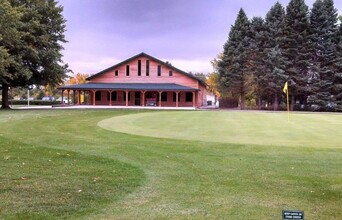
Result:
pixel 131 94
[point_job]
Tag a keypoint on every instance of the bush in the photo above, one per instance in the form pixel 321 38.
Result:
pixel 33 102
pixel 229 102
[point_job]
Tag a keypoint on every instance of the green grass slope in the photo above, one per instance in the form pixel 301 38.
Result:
pixel 39 182
pixel 169 178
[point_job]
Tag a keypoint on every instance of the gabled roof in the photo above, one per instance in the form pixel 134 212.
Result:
pixel 130 86
pixel 151 58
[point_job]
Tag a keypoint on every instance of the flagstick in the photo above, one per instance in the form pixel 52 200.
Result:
pixel 286 90
pixel 288 106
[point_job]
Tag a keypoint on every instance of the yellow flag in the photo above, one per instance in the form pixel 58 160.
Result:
pixel 285 88
pixel 286 91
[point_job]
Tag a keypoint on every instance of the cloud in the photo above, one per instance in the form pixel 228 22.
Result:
pixel 95 66
pixel 92 66
pixel 190 33
pixel 194 66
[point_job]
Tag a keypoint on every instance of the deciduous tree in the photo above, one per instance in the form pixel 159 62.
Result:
pixel 37 52
pixel 78 78
pixel 9 40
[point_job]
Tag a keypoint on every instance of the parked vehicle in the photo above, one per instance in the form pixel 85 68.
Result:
pixel 48 98
pixel 65 100
pixel 151 102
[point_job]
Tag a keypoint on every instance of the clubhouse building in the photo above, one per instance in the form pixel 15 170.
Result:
pixel 141 80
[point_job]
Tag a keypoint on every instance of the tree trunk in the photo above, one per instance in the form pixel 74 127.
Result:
pixel 292 102
pixel 5 104
pixel 242 92
pixel 259 103
pixel 276 102
pixel 242 102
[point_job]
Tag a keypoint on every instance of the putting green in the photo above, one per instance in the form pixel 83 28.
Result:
pixel 311 130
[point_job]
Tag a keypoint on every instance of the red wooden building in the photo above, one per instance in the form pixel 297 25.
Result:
pixel 141 80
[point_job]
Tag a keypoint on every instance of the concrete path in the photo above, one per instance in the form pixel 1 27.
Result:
pixel 102 107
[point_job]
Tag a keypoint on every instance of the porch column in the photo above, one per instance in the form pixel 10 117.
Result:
pixel 177 98
pixel 143 98
pixel 68 92
pixel 160 95
pixel 110 97
pixel 94 91
pixel 126 97
pixel 193 99
pixel 62 97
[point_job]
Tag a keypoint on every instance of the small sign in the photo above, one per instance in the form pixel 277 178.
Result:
pixel 289 214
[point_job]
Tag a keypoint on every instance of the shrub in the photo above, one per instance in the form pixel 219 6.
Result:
pixel 33 102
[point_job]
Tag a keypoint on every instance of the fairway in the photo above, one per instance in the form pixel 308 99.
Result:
pixel 304 130
pixel 63 164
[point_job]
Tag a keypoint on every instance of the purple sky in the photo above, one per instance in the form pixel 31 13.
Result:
pixel 187 33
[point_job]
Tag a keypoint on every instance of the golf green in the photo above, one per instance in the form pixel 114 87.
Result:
pixel 310 130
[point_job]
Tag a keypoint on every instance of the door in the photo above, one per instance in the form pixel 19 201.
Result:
pixel 137 98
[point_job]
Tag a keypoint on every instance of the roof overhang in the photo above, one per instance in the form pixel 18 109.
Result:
pixel 129 87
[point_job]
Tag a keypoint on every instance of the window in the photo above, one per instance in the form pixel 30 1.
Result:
pixel 174 97
pixel 129 96
pixel 98 96
pixel 127 70
pixel 139 67
pixel 170 73
pixel 159 70
pixel 147 67
pixel 116 72
pixel 188 97
pixel 164 97
pixel 114 95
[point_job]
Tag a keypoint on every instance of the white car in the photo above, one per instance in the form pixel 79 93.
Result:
pixel 48 98
pixel 65 100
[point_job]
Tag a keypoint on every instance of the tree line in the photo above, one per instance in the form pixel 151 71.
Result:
pixel 298 46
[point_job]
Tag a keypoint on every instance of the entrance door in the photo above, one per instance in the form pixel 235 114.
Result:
pixel 137 98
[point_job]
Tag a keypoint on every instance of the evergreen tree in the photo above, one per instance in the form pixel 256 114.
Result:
pixel 337 83
pixel 275 60
pixel 234 64
pixel 37 54
pixel 323 26
pixel 257 57
pixel 298 50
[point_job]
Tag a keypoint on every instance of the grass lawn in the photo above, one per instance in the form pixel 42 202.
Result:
pixel 116 164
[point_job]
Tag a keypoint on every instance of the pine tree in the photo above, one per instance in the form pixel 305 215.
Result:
pixel 275 60
pixel 257 57
pixel 323 26
pixel 298 50
pixel 234 64
pixel 337 84
pixel 37 54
